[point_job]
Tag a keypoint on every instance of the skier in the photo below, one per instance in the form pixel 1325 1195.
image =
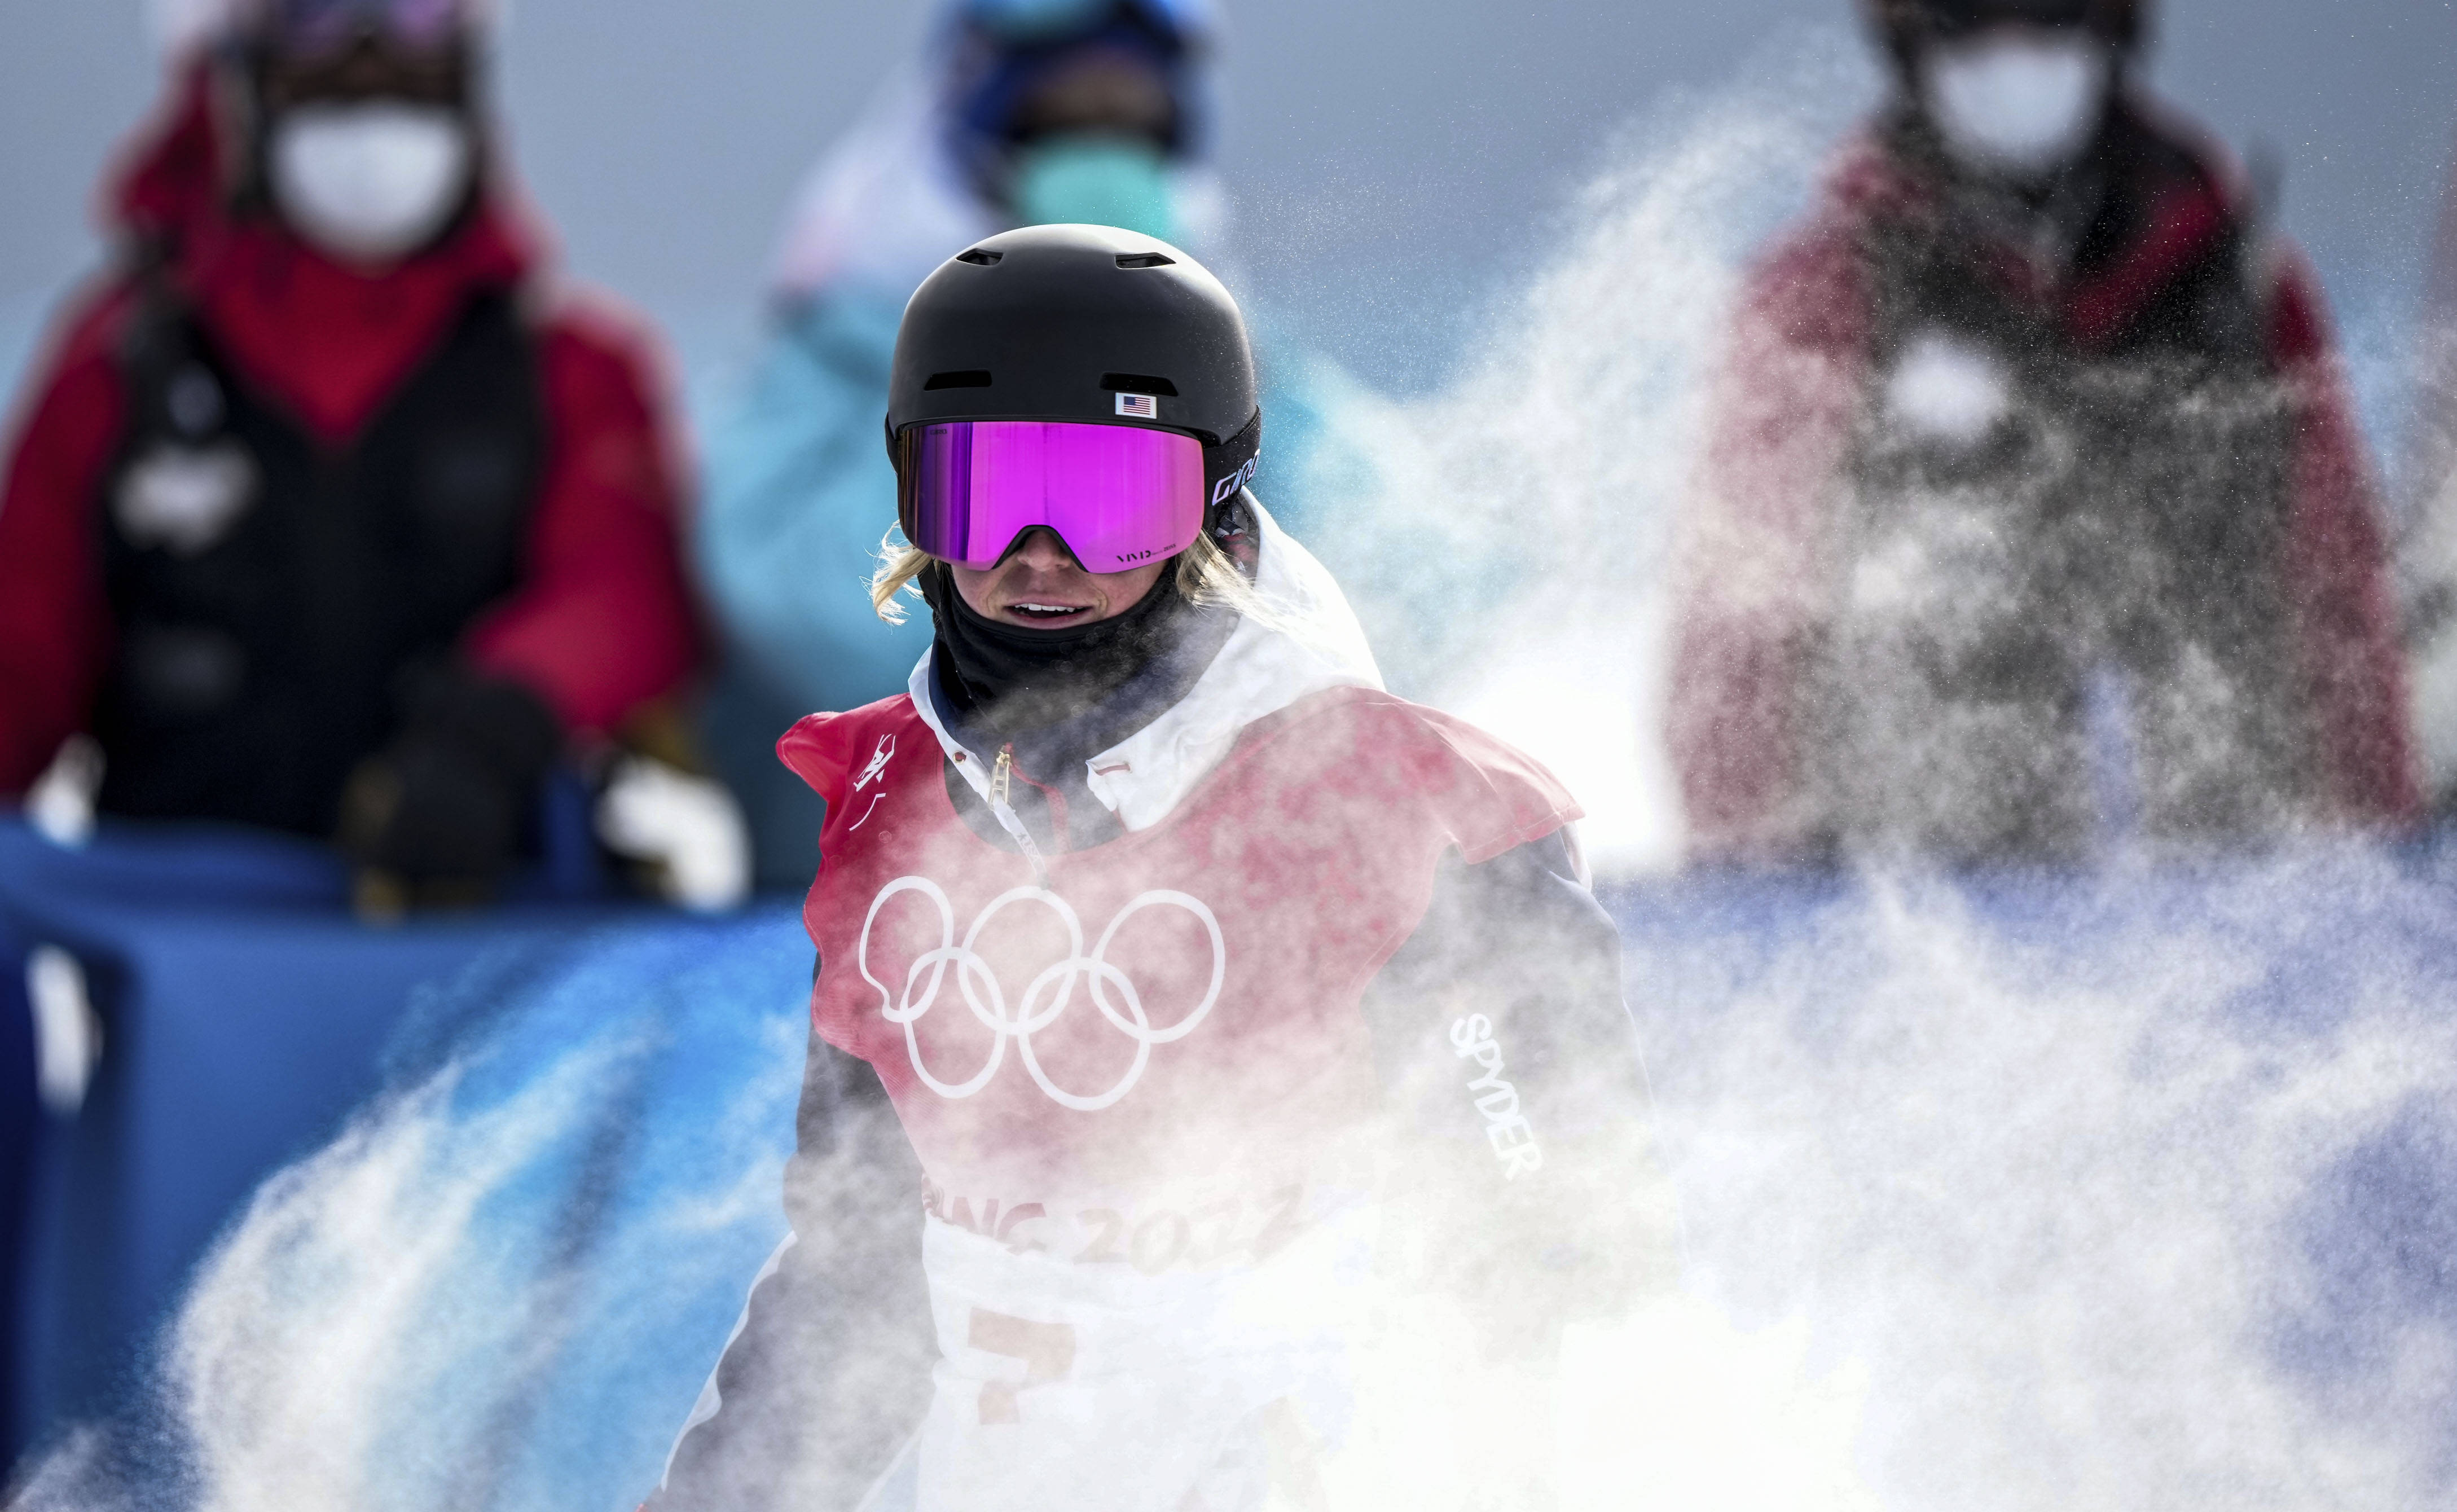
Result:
pixel 327 514
pixel 2034 500
pixel 1206 981
pixel 1023 112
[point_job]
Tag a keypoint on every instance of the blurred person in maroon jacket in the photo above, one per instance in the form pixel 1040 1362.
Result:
pixel 2430 547
pixel 327 514
pixel 2034 504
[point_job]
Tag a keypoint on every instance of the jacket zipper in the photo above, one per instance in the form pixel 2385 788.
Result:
pixel 1002 779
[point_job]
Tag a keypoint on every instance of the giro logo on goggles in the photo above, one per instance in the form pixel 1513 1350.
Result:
pixel 1229 485
pixel 1047 997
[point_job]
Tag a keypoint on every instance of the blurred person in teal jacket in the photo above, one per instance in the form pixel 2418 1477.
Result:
pixel 1020 112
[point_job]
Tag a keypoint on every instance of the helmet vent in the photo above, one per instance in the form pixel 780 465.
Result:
pixel 983 257
pixel 1138 383
pixel 970 378
pixel 1146 260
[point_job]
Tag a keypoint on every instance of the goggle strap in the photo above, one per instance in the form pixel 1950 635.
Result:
pixel 1229 466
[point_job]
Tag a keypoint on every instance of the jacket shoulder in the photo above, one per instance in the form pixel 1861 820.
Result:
pixel 822 748
pixel 591 341
pixel 1809 287
pixel 2173 150
pixel 94 327
pixel 72 397
pixel 1490 795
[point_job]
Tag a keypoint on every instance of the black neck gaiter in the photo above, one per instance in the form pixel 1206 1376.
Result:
pixel 1013 682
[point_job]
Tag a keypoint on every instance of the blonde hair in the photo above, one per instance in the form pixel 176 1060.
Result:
pixel 1204 575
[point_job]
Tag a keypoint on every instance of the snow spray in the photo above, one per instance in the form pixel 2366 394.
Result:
pixel 2125 1192
pixel 1506 539
pixel 501 1284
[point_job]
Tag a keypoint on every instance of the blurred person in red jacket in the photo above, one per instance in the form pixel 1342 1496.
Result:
pixel 2429 548
pixel 2035 506
pixel 327 514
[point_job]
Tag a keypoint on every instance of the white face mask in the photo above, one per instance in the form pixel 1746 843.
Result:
pixel 370 182
pixel 2017 103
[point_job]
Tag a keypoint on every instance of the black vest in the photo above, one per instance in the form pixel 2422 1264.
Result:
pixel 2110 540
pixel 269 591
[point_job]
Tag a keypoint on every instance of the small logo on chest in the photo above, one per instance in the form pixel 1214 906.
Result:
pixel 1108 990
pixel 877 763
pixel 870 774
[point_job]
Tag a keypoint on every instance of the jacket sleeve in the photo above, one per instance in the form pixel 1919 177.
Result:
pixel 1750 592
pixel 603 621
pixel 55 625
pixel 1512 1072
pixel 827 1374
pixel 2338 586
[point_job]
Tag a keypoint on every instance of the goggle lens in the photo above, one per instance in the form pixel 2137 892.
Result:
pixel 1118 495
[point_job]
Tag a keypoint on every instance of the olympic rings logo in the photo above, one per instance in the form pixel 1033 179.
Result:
pixel 1048 996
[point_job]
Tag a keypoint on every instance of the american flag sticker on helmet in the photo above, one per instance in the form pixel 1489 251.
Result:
pixel 1138 406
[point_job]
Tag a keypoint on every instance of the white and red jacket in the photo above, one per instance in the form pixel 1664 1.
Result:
pixel 1341 952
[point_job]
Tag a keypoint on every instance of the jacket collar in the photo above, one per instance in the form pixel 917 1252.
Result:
pixel 334 342
pixel 1314 643
pixel 2185 195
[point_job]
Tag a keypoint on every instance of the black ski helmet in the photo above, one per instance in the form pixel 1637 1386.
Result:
pixel 1088 325
pixel 1905 25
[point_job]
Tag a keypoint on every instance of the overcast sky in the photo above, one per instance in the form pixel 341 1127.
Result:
pixel 1391 160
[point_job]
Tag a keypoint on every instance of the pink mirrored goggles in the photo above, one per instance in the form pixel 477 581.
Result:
pixel 1118 495
pixel 310 27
